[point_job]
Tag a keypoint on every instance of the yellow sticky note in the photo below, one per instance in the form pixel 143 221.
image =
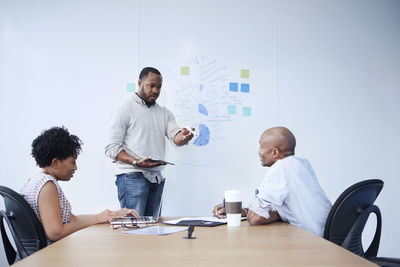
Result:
pixel 185 70
pixel 244 73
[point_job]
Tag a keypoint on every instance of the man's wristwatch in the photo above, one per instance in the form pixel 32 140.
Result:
pixel 134 163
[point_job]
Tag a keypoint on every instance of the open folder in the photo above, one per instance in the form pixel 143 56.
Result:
pixel 198 221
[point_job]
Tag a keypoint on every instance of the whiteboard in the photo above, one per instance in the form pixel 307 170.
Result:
pixel 212 82
pixel 234 67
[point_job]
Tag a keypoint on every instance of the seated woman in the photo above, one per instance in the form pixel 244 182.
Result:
pixel 56 151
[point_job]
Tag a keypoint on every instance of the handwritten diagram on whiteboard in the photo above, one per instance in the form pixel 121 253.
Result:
pixel 207 95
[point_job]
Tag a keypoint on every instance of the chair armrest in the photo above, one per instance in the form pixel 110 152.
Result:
pixel 385 262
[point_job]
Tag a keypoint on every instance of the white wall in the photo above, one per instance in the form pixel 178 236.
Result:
pixel 339 87
pixel 328 70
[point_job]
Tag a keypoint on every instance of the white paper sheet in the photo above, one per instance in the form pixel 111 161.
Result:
pixel 156 230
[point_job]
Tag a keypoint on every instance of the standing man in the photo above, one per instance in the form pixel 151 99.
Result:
pixel 137 135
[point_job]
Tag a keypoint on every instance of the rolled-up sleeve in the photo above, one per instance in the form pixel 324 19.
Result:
pixel 172 128
pixel 117 133
pixel 270 195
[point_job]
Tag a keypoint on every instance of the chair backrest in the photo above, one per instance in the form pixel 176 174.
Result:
pixel 349 215
pixel 25 228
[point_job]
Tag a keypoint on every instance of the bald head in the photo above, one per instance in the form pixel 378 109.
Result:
pixel 282 138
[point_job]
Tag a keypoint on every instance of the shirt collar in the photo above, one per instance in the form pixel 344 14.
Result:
pixel 138 100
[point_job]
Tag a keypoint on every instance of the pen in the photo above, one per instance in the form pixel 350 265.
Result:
pixel 190 130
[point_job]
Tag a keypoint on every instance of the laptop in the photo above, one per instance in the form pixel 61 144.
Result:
pixel 130 221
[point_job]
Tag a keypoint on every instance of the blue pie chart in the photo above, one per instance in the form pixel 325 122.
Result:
pixel 204 136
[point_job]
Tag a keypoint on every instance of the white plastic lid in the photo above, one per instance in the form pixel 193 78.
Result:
pixel 233 196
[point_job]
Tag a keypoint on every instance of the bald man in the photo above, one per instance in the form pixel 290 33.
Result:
pixel 290 190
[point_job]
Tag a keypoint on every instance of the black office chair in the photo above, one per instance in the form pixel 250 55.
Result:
pixel 348 216
pixel 25 228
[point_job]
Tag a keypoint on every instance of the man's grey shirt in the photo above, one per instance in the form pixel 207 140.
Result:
pixel 141 131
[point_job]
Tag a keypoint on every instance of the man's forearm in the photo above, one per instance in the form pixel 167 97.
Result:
pixel 125 157
pixel 255 219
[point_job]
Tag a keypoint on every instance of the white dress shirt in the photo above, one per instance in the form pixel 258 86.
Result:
pixel 291 188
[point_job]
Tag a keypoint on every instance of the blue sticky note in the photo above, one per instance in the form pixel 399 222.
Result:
pixel 130 87
pixel 245 88
pixel 246 111
pixel 234 87
pixel 231 109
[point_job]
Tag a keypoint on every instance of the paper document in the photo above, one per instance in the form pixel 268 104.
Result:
pixel 156 230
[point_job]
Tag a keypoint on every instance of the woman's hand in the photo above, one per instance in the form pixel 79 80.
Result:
pixel 106 215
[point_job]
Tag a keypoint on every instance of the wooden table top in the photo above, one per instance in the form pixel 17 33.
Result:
pixel 277 244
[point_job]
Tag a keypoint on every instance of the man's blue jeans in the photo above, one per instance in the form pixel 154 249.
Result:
pixel 136 192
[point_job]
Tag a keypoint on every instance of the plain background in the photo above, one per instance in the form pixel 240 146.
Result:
pixel 327 70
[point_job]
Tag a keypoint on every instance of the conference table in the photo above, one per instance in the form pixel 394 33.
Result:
pixel 276 244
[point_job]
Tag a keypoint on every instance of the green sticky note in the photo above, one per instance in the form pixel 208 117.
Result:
pixel 246 111
pixel 244 73
pixel 130 87
pixel 185 70
pixel 231 109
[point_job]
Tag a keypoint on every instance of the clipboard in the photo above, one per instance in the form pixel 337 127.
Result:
pixel 198 221
pixel 162 161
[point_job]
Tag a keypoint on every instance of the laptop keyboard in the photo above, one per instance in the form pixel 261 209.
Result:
pixel 144 219
pixel 132 222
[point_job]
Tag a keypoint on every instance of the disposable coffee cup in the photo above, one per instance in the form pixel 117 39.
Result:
pixel 233 206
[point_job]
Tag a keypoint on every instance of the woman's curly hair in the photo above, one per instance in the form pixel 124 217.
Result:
pixel 55 142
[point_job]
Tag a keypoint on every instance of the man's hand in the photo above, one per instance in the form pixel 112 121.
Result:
pixel 149 163
pixel 219 212
pixel 187 134
pixel 184 136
